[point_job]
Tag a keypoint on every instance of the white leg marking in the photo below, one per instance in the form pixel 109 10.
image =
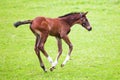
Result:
pixel 50 59
pixel 55 63
pixel 66 59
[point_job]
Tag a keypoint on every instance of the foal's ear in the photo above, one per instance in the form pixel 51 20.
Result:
pixel 84 14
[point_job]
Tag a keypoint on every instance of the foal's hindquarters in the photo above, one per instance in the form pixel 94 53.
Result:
pixel 40 30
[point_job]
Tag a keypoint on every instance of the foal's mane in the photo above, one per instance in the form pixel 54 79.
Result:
pixel 69 14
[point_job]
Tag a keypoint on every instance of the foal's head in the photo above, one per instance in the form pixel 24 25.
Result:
pixel 84 21
pixel 77 18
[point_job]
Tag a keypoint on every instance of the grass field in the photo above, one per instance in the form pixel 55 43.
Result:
pixel 96 54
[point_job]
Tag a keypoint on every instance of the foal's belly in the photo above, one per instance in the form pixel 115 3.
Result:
pixel 54 33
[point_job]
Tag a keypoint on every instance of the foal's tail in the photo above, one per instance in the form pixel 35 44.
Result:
pixel 18 23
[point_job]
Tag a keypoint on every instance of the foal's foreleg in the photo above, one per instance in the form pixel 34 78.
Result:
pixel 59 43
pixel 66 39
pixel 38 52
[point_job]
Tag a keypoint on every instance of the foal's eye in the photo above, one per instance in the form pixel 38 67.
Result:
pixel 83 24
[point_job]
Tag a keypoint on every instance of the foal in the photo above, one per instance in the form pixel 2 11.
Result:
pixel 57 27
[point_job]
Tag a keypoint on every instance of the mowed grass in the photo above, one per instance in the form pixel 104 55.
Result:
pixel 96 54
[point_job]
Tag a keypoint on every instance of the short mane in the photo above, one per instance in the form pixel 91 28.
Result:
pixel 69 14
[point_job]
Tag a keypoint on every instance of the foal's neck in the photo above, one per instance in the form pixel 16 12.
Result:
pixel 70 20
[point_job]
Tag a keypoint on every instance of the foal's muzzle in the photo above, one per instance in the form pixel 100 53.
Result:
pixel 89 28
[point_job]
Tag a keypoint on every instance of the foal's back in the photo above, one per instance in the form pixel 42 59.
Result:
pixel 52 26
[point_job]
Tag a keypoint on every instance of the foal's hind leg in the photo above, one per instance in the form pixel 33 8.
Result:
pixel 41 46
pixel 38 52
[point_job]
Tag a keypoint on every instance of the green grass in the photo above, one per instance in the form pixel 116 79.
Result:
pixel 96 54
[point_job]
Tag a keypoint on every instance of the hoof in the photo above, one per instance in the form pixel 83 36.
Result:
pixel 62 65
pixel 52 68
pixel 45 71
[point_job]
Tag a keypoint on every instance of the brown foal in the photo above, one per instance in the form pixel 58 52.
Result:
pixel 57 27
